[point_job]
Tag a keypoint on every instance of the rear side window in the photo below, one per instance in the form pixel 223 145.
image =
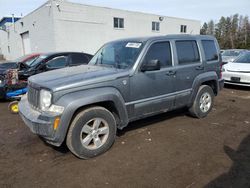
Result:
pixel 187 52
pixel 160 51
pixel 210 50
pixel 79 59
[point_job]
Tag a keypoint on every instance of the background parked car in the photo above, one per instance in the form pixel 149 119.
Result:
pixel 231 55
pixel 52 61
pixel 44 62
pixel 19 63
pixel 238 71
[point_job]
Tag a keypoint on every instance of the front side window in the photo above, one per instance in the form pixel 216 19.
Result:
pixel 118 22
pixel 183 28
pixel 210 50
pixel 155 26
pixel 121 54
pixel 160 51
pixel 57 62
pixel 187 52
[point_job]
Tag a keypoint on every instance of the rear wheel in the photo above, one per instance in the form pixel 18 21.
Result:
pixel 91 133
pixel 203 102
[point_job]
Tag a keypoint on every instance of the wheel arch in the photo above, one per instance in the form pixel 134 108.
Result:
pixel 208 78
pixel 109 98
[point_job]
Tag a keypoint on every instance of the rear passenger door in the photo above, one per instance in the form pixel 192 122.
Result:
pixel 189 66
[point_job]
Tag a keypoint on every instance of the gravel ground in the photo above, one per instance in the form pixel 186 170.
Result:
pixel 170 150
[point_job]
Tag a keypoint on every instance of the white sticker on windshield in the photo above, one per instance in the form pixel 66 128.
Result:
pixel 133 45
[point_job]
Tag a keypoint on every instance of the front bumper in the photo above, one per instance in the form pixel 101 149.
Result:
pixel 39 122
pixel 244 78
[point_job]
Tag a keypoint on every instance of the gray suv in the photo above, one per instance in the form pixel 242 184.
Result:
pixel 125 81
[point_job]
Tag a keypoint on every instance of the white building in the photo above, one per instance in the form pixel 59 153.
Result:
pixel 65 26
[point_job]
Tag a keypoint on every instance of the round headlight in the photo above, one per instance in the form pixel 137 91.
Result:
pixel 45 99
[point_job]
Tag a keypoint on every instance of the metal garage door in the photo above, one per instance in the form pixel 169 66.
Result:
pixel 26 43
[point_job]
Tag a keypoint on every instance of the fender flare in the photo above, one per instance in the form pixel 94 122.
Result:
pixel 208 76
pixel 73 101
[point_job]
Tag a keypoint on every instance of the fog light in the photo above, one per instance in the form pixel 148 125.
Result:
pixel 56 123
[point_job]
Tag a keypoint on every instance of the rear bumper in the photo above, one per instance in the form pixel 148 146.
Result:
pixel 39 123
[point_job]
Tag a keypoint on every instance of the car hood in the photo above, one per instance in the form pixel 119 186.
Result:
pixel 237 67
pixel 71 77
pixel 2 71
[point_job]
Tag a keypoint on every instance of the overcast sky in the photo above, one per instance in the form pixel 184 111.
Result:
pixel 202 10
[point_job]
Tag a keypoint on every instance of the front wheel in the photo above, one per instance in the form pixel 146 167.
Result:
pixel 91 133
pixel 203 102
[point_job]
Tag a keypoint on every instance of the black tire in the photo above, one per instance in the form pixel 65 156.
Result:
pixel 196 110
pixel 74 135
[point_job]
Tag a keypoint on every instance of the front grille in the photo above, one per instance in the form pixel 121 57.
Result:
pixel 33 96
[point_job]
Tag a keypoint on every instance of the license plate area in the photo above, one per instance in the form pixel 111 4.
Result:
pixel 235 79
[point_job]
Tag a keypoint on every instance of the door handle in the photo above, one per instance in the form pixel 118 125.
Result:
pixel 171 73
pixel 199 68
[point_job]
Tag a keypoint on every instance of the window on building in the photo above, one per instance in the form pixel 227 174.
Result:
pixel 183 28
pixel 187 52
pixel 155 26
pixel 160 51
pixel 210 50
pixel 118 22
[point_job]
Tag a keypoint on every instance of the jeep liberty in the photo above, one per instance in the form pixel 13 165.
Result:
pixel 126 80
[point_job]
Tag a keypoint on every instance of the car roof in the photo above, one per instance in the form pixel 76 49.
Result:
pixel 162 37
pixel 61 53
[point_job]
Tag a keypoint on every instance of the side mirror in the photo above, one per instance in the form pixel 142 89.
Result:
pixel 151 65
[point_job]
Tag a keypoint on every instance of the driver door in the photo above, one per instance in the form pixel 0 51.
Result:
pixel 152 91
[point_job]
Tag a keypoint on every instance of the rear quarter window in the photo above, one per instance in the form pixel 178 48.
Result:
pixel 187 52
pixel 79 59
pixel 210 50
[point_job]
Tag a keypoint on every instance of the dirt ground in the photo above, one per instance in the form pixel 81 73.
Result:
pixel 170 150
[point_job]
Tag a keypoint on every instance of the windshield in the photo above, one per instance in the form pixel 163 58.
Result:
pixel 30 61
pixel 121 55
pixel 8 66
pixel 37 61
pixel 231 53
pixel 244 58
